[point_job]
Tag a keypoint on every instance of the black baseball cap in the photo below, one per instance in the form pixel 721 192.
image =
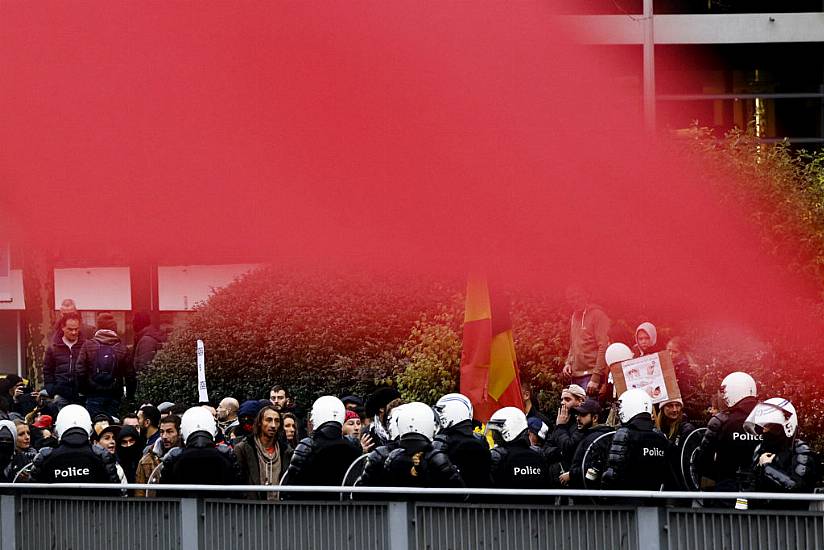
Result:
pixel 590 406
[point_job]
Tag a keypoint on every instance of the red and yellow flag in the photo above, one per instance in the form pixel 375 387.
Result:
pixel 489 371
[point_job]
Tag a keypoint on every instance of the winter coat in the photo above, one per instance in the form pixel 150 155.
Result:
pixel 60 367
pixel 124 370
pixel 148 342
pixel 637 457
pixel 565 438
pixel 676 445
pixel 246 453
pixel 726 447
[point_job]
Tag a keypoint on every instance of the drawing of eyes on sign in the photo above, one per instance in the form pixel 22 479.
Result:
pixel 203 394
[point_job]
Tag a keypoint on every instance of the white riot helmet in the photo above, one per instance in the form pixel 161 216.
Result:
pixel 453 408
pixel 633 402
pixel 418 418
pixel 327 409
pixel 392 422
pixel 617 353
pixel 775 410
pixel 737 386
pixel 510 422
pixel 197 419
pixel 72 416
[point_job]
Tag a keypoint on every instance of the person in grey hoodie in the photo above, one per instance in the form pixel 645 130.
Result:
pixel 588 340
pixel 103 367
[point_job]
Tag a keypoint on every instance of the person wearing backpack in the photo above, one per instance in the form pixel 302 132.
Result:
pixel 103 367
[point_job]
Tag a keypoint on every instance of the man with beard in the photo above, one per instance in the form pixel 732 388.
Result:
pixel 169 439
pixel 590 430
pixel 148 420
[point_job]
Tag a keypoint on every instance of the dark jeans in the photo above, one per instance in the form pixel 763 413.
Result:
pixel 102 405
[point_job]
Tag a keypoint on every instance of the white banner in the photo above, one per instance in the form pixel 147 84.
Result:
pixel 5 273
pixel 201 373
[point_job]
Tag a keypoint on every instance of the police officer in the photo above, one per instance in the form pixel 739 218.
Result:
pixel 373 474
pixel 8 435
pixel 781 463
pixel 75 459
pixel 416 462
pixel 515 464
pixel 200 461
pixel 324 456
pixel 456 436
pixel 637 457
pixel 727 447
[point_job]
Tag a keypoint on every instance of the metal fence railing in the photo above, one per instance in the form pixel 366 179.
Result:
pixel 420 519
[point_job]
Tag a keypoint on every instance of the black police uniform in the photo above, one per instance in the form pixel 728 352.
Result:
pixel 515 465
pixel 200 462
pixel 416 463
pixel 638 457
pixel 726 447
pixel 792 470
pixel 322 458
pixel 468 451
pixel 74 460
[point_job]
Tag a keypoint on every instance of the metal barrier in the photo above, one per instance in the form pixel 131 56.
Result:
pixel 31 520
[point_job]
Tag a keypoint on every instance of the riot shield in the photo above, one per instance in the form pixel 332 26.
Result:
pixel 689 476
pixel 352 475
pixel 595 460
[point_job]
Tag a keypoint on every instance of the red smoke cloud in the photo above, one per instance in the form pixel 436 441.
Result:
pixel 436 136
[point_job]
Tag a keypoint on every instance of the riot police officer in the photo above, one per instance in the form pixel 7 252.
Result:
pixel 324 456
pixel 416 462
pixel 200 461
pixel 8 435
pixel 727 447
pixel 514 463
pixel 637 457
pixel 75 459
pixel 781 463
pixel 466 449
pixel 373 473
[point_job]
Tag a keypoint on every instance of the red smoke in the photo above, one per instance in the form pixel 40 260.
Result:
pixel 435 136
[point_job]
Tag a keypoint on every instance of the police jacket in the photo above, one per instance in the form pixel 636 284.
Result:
pixel 792 470
pixel 597 456
pixel 416 463
pixel 60 366
pixel 200 462
pixel 468 451
pixel 323 457
pixel 638 457
pixel 726 446
pixel 515 465
pixel 74 460
pixel 374 474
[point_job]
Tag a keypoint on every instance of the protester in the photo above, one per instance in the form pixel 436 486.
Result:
pixel 264 457
pixel 466 450
pixel 591 429
pixel 374 474
pixel 324 456
pixel 8 436
pixel 781 463
pixel 565 436
pixel 588 340
pixel 246 415
pixel 352 402
pixel 538 432
pixel 352 425
pixel 377 407
pixel 291 432
pixel 685 374
pixel 24 453
pixel 530 403
pixel 148 341
pixel 103 367
pixel 148 465
pixel 227 415
pixel 75 459
pixel 637 456
pixel 646 340
pixel 107 440
pixel 60 361
pixel 68 307
pixel 148 422
pixel 727 447
pixel 129 451
pixel 674 424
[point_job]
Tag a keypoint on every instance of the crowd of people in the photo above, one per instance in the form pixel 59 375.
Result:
pixel 69 431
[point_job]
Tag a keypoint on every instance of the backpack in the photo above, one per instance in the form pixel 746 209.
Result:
pixel 105 363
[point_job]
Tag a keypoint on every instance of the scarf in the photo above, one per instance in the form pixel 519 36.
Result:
pixel 269 466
